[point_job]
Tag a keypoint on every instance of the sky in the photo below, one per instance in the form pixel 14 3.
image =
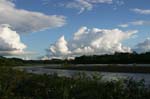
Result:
pixel 45 29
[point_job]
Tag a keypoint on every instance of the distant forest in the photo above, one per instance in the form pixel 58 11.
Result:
pixel 117 58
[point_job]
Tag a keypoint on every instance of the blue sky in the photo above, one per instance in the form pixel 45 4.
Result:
pixel 125 15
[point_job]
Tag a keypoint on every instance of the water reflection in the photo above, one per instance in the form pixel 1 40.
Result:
pixel 105 75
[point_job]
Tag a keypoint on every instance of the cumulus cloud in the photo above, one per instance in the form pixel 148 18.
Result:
pixel 10 43
pixel 60 47
pixel 143 46
pixel 24 21
pixel 86 5
pixel 141 11
pixel 91 41
pixel 135 23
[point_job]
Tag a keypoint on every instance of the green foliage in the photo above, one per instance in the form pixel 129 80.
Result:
pixel 20 85
pixel 10 62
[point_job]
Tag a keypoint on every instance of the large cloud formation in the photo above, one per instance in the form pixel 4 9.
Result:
pixel 24 21
pixel 10 43
pixel 91 41
pixel 14 21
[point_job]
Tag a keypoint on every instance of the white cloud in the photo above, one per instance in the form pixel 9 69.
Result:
pixel 85 5
pixel 99 1
pixel 10 42
pixel 139 22
pixel 91 41
pixel 141 11
pixel 123 25
pixel 135 23
pixel 60 47
pixel 24 21
pixel 80 32
pixel 143 46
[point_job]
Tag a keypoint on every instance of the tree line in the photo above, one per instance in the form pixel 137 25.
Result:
pixel 117 58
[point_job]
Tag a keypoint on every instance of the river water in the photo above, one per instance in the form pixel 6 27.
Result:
pixel 71 73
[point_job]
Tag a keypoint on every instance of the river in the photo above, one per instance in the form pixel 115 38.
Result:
pixel 71 73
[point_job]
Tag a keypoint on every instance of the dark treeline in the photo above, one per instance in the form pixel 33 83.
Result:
pixel 11 61
pixel 117 58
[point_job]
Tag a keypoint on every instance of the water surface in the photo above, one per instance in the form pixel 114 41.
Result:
pixel 71 73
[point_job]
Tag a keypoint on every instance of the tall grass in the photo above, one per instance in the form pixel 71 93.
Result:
pixel 20 85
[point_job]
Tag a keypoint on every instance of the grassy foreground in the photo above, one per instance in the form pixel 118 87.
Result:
pixel 20 85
